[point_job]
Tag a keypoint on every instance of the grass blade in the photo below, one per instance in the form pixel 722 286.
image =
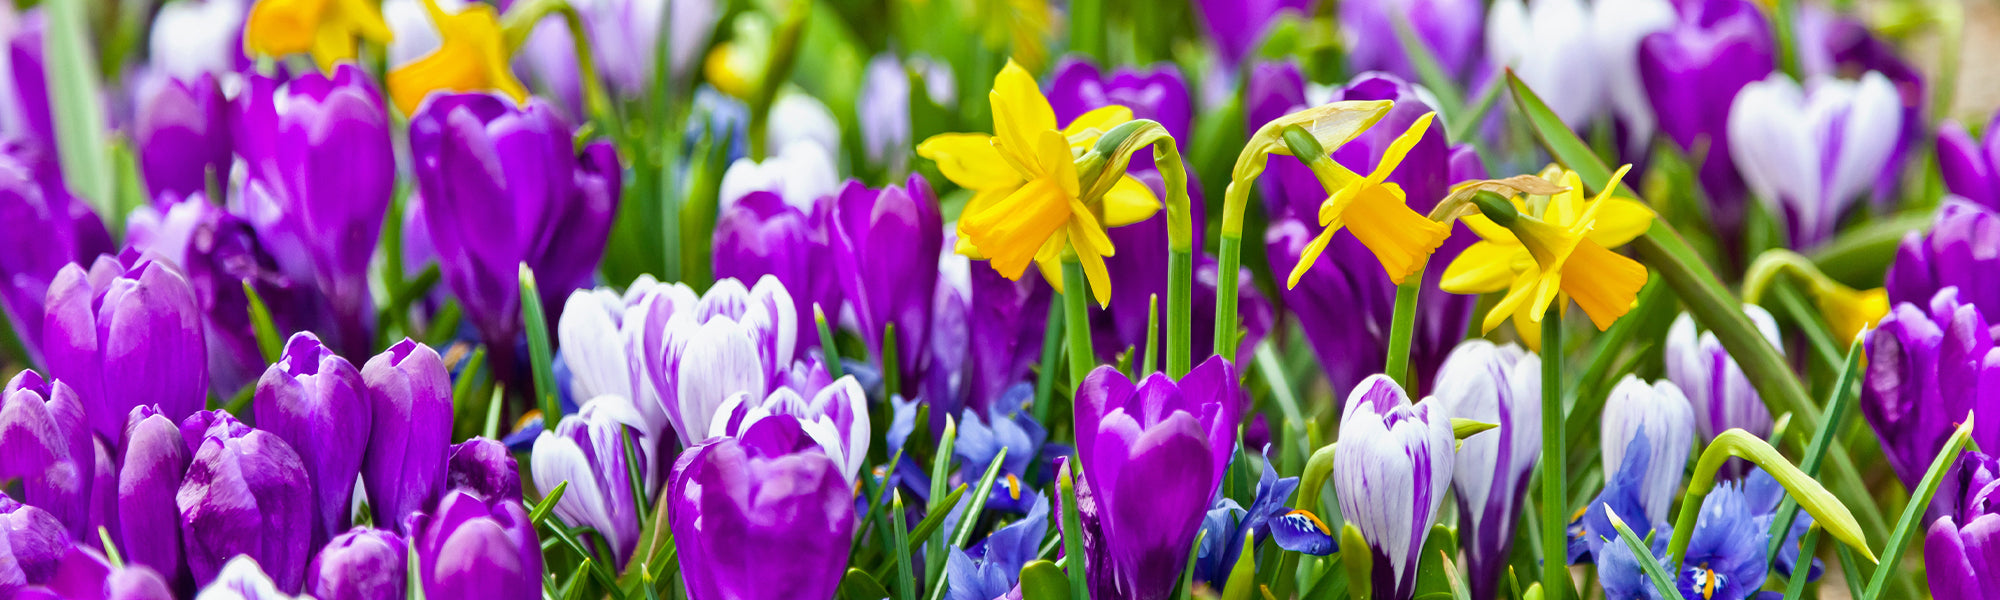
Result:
pixel 540 354
pixel 1647 562
pixel 1906 527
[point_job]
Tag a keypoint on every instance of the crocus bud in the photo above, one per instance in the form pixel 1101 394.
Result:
pixel 1662 411
pixel 484 466
pixel 182 133
pixel 1692 70
pixel 42 228
pixel 45 442
pixel 885 250
pixel 1970 169
pixel 409 395
pixel 124 337
pixel 246 493
pixel 836 417
pixel 1154 454
pixel 1391 469
pixel 1928 370
pixel 321 175
pixel 1962 246
pixel 1811 156
pixel 763 516
pixel 474 548
pixel 149 478
pixel 1503 385
pixel 695 355
pixel 587 449
pixel 1721 395
pixel 33 543
pixel 243 579
pixel 315 401
pixel 555 204
pixel 363 564
pixel 763 235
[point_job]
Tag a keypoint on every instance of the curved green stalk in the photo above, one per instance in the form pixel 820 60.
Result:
pixel 1826 510
pixel 519 22
pixel 1402 326
pixel 1117 147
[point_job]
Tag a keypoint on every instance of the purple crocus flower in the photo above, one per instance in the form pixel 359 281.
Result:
pixel 244 579
pixel 760 234
pixel 1158 93
pixel 477 548
pixel 503 187
pixel 1962 245
pixel 321 176
pixel 1003 338
pixel 1662 413
pixel 762 516
pixel 1391 467
pixel 1927 369
pixel 1716 387
pixel 1450 29
pixel 1957 547
pixel 33 543
pixel 126 336
pixel 835 417
pixel 484 466
pixel 182 134
pixel 695 354
pixel 45 442
pixel 42 228
pixel 1693 70
pixel 316 401
pixel 363 564
pixel 83 573
pixel 1811 155
pixel 218 252
pixel 1503 385
pixel 28 118
pixel 587 449
pixel 409 398
pixel 885 246
pixel 1153 453
pixel 246 493
pixel 1237 27
pixel 1971 169
pixel 996 570
pixel 154 463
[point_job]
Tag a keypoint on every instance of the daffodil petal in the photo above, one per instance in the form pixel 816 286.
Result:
pixel 1020 111
pixel 1849 311
pixel 1486 229
pixel 1093 269
pixel 1013 231
pixel 1053 153
pixel 1516 296
pixel 1399 237
pixel 1400 148
pixel 1606 284
pixel 1616 221
pixel 1310 255
pixel 1129 201
pixel 1481 268
pixel 969 160
pixel 1101 119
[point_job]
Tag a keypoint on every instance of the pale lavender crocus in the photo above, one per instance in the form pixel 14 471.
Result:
pixel 1810 154
pixel 587 450
pixel 1500 385
pixel 836 417
pixel 1392 465
pixel 1715 385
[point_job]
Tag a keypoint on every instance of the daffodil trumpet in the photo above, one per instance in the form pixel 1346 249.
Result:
pixel 1846 311
pixel 1118 145
pixel 1331 125
pixel 520 22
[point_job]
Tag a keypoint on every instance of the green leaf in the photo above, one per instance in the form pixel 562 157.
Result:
pixel 462 390
pixel 970 519
pixel 892 371
pixel 1795 586
pixel 1827 511
pixel 413 580
pixel 1043 580
pixel 1242 576
pixel 1152 347
pixel 1431 576
pixel 828 350
pixel 541 509
pixel 1458 589
pixel 935 519
pixel 539 353
pixel 1906 527
pixel 1072 546
pixel 906 580
pixel 859 585
pixel 1647 563
pixel 1358 560
pixel 77 107
pixel 268 342
pixel 1045 375
pixel 1465 428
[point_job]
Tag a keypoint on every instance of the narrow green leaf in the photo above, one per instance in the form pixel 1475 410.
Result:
pixel 1043 580
pixel 413 575
pixel 1795 586
pixel 540 354
pixel 1647 562
pixel 111 554
pixel 892 371
pixel 1906 527
pixel 268 342
pixel 935 520
pixel 1458 589
pixel 77 107
pixel 828 350
pixel 859 585
pixel 632 476
pixel 541 509
pixel 1152 347
pixel 1072 546
pixel 468 377
pixel 400 299
pixel 1249 572
pixel 1242 575
pixel 963 534
pixel 941 470
pixel 1431 576
pixel 1045 375
pixel 906 580
pixel 1465 428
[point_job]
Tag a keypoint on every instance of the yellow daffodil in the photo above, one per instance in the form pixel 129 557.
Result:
pixel 1376 212
pixel 1557 248
pixel 1848 311
pixel 1026 205
pixel 325 28
pixel 472 57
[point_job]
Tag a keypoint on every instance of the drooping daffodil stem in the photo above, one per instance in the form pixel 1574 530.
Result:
pixel 520 22
pixel 1117 146
pixel 1827 511
pixel 1555 499
pixel 777 69
pixel 1076 315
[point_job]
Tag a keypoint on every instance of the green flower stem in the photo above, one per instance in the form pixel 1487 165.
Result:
pixel 1225 288
pixel 1152 347
pixel 1402 326
pixel 1045 378
pixel 1117 147
pixel 892 365
pixel 1827 512
pixel 1076 310
pixel 1555 501
pixel 1073 555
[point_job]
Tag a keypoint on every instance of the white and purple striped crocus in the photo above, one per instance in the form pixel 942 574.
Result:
pixel 1503 385
pixel 695 354
pixel 587 449
pixel 45 443
pixel 1715 385
pixel 1392 465
pixel 1663 413
pixel 1811 154
pixel 836 417
pixel 600 333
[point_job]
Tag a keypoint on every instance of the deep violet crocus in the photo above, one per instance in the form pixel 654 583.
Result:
pixel 1714 384
pixel 315 401
pixel 45 442
pixel 362 564
pixel 1971 168
pixel 885 251
pixel 126 333
pixel 587 450
pixel 150 472
pixel 182 134
pixel 1153 454
pixel 246 493
pixel 1928 367
pixel 32 544
pixel 761 234
pixel 1501 385
pixel 83 573
pixel 1693 70
pixel 409 399
pixel 763 516
pixel 472 547
pixel 504 186
pixel 1392 465
pixel 321 174
pixel 1956 549
pixel 1962 246
pixel 42 228
pixel 483 466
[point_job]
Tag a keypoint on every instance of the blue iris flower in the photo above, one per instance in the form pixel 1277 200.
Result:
pixel 993 567
pixel 1227 522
